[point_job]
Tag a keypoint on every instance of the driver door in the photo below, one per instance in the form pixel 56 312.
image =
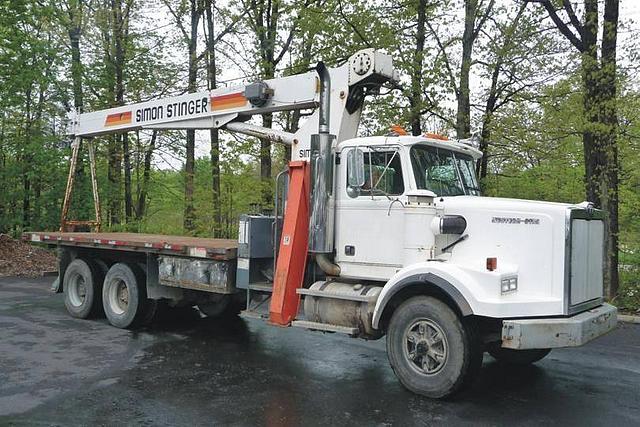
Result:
pixel 370 220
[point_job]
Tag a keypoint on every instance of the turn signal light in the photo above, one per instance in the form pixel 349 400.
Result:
pixel 492 264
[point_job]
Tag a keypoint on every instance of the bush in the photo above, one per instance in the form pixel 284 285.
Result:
pixel 628 298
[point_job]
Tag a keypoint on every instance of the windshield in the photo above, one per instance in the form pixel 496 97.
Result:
pixel 444 172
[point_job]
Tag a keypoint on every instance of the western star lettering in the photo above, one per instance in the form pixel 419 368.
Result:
pixel 173 110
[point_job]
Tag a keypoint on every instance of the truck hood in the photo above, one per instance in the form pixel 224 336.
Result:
pixel 527 237
pixel 500 204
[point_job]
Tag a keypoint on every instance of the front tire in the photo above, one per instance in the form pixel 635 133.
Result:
pixel 517 357
pixel 124 295
pixel 431 350
pixel 82 284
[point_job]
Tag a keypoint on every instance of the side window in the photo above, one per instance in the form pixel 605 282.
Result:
pixel 382 173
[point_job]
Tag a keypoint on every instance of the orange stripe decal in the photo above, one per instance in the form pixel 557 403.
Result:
pixel 117 119
pixel 232 100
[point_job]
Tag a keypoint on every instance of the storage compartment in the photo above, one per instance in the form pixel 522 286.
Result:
pixel 202 275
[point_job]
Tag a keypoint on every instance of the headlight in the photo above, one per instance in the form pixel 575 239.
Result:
pixel 509 284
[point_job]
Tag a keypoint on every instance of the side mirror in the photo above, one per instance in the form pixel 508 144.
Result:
pixel 355 168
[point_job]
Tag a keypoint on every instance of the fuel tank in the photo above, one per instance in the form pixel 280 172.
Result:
pixel 342 304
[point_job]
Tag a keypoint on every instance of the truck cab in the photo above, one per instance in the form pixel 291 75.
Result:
pixel 402 179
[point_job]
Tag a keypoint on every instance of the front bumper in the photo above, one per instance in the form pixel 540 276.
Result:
pixel 521 334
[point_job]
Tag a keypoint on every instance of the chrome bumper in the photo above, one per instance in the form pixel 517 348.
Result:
pixel 520 334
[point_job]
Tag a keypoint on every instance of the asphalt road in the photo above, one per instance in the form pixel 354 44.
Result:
pixel 56 370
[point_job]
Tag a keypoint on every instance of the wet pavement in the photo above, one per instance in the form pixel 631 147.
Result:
pixel 187 370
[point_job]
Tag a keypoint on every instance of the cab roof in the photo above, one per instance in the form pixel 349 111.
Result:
pixel 408 141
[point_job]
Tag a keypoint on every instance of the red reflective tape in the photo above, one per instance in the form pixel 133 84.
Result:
pixel 231 100
pixel 117 119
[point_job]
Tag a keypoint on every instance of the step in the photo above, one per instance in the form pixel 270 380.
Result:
pixel 250 314
pixel 325 327
pixel 261 287
pixel 335 295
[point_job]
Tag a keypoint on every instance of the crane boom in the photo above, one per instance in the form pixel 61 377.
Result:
pixel 231 106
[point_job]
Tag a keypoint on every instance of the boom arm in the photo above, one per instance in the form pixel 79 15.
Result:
pixel 229 107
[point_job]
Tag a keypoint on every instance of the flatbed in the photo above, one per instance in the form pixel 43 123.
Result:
pixel 197 247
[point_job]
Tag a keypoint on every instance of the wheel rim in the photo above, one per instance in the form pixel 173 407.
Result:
pixel 118 297
pixel 77 290
pixel 425 347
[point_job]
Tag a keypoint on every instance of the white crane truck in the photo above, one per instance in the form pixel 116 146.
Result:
pixel 383 235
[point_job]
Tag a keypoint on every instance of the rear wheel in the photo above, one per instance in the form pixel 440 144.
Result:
pixel 124 295
pixel 82 285
pixel 517 357
pixel 431 350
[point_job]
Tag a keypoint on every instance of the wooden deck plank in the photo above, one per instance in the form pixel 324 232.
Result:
pixel 183 245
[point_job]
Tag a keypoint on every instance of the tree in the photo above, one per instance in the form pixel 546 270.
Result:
pixel 416 70
pixel 266 20
pixel 518 62
pixel 28 70
pixel 113 21
pixel 190 38
pixel 214 134
pixel 474 19
pixel 212 40
pixel 599 136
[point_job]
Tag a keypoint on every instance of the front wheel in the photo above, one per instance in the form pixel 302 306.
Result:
pixel 431 350
pixel 517 357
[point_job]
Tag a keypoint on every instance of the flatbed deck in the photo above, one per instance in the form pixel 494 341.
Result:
pixel 197 247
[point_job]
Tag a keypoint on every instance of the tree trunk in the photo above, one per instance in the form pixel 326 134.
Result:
pixel 264 19
pixel 416 70
pixel 119 33
pixel 75 15
pixel 114 176
pixel 609 117
pixel 128 197
pixel 463 117
pixel 26 161
pixel 75 31
pixel 189 166
pixel 214 134
pixel 3 168
pixel 144 188
pixel 592 155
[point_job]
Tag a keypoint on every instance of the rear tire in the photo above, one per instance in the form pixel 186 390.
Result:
pixel 124 295
pixel 517 357
pixel 82 285
pixel 432 351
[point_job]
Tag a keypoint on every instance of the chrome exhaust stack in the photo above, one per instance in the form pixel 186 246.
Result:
pixel 321 222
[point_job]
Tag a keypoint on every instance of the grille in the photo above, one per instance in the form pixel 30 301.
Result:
pixel 586 256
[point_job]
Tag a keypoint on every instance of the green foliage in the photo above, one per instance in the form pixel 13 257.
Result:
pixel 628 298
